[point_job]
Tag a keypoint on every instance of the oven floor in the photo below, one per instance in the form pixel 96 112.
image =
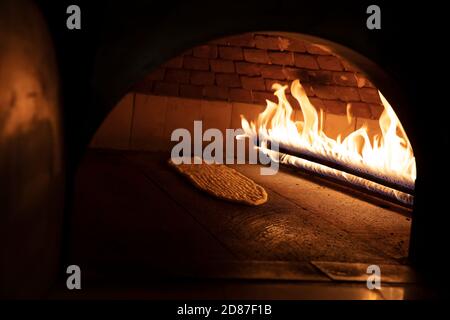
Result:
pixel 136 220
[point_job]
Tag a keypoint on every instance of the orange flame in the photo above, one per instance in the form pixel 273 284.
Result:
pixel 389 154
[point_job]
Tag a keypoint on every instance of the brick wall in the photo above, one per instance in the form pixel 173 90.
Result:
pixel 146 122
pixel 243 68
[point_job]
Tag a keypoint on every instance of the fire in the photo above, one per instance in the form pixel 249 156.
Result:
pixel 389 155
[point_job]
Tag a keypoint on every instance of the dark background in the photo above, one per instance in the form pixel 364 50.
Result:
pixel 120 41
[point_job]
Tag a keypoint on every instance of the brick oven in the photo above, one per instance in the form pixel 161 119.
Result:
pixel 100 194
pixel 327 230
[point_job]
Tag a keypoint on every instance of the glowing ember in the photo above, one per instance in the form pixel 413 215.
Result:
pixel 388 155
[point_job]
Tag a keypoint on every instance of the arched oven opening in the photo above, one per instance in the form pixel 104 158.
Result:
pixel 341 201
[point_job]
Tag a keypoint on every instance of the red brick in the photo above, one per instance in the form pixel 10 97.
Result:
pixel 196 63
pixel 345 79
pixel 362 81
pixel 376 110
pixel 369 95
pixel 176 62
pixel 320 77
pixel 329 63
pixel 325 92
pixel 272 72
pixel 231 53
pixel 317 103
pixel 242 40
pixel 166 89
pixel 177 75
pixel 294 73
pixel 157 74
pixel 253 83
pixel 260 97
pixel 360 110
pixel 336 93
pixel 305 61
pixel 348 66
pixel 282 58
pixel 205 51
pixel 202 78
pixel 309 90
pixel 347 94
pixel 240 95
pixel 249 69
pixel 270 82
pixel 296 45
pixel 190 91
pixel 224 66
pixel 228 80
pixel 316 50
pixel 214 92
pixel 268 42
pixel 256 55
pixel 335 107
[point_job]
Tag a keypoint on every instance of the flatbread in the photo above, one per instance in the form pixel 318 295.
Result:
pixel 223 182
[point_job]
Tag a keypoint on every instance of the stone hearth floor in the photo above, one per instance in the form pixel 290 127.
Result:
pixel 138 224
